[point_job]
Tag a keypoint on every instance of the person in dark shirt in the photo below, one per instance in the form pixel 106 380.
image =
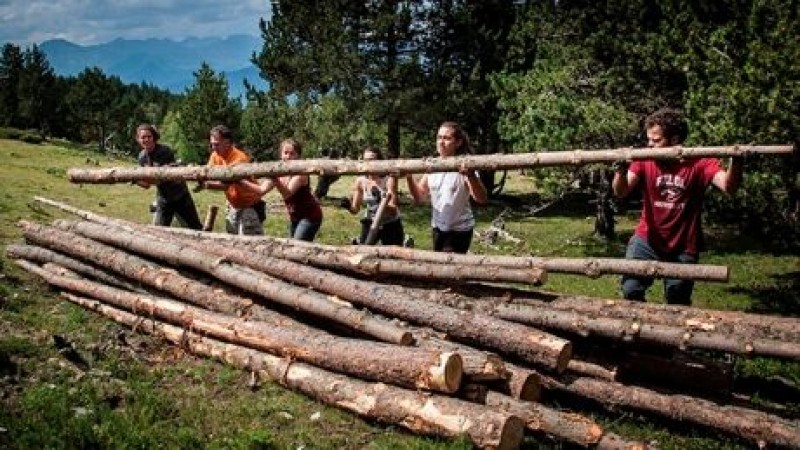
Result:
pixel 172 197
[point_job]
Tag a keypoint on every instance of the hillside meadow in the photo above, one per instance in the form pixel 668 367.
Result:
pixel 137 392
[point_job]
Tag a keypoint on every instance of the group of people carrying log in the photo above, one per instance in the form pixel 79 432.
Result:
pixel 669 229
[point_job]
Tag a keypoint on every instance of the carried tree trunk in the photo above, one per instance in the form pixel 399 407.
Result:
pixel 406 166
pixel 527 343
pixel 416 411
pixel 758 427
pixel 254 282
pixel 403 366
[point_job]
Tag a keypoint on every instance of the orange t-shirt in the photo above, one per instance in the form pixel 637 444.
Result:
pixel 238 196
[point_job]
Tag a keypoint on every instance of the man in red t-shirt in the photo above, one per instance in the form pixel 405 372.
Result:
pixel 670 227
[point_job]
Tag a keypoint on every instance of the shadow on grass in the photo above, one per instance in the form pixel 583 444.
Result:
pixel 781 296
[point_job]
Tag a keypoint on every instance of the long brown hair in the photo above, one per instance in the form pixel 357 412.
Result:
pixel 466 146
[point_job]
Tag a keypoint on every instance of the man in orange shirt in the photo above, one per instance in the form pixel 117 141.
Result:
pixel 241 216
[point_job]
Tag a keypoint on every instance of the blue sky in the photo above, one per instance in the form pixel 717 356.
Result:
pixel 86 22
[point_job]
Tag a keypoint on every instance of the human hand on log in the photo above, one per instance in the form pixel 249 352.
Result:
pixel 620 166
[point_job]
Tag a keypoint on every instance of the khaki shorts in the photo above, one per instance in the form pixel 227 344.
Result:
pixel 243 221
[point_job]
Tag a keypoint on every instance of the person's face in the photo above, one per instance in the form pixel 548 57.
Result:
pixel 219 144
pixel 446 141
pixel 146 140
pixel 288 152
pixel 656 138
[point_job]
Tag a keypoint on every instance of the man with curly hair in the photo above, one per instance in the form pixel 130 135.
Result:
pixel 670 227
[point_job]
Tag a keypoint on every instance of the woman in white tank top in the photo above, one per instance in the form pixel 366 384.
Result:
pixel 452 221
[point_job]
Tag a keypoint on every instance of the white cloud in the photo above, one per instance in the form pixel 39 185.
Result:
pixel 25 22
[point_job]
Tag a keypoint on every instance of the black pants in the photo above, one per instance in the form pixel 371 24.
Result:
pixel 391 233
pixel 183 207
pixel 451 241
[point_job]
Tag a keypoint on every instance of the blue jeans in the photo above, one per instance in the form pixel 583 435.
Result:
pixel 304 229
pixel 676 291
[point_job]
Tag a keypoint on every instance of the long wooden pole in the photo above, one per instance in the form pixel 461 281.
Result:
pixel 407 166
pixel 592 267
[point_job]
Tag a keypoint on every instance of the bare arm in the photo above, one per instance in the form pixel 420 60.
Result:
pixel 728 181
pixel 357 197
pixel 624 183
pixel 291 186
pixel 418 189
pixel 476 188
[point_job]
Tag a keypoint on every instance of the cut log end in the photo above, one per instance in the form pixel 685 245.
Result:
pixel 447 374
pixel 564 357
pixel 512 433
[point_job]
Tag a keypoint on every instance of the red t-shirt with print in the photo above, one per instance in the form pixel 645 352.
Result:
pixel 672 203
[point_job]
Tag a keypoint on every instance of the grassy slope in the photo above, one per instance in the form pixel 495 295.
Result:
pixel 141 393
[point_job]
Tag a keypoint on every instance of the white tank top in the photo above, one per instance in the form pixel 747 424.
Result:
pixel 450 202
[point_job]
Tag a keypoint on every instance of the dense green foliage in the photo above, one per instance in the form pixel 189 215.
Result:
pixel 520 76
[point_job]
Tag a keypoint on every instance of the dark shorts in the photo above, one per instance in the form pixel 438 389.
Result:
pixel 451 241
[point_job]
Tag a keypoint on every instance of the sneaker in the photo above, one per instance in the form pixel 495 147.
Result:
pixel 408 241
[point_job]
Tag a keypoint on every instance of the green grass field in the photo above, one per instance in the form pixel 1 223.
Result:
pixel 140 393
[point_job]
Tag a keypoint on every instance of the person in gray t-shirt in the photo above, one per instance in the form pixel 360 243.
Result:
pixel 172 197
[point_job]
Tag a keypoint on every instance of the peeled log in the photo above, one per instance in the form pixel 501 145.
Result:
pixel 760 428
pixel 405 166
pixel 526 343
pixel 257 283
pixel 403 366
pixel 416 411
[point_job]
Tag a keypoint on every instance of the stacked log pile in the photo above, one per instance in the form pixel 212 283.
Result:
pixel 385 333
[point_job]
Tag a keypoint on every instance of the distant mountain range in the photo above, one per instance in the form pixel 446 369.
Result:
pixel 164 63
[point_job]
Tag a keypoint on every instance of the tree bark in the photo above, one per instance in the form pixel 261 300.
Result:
pixel 760 428
pixel 479 365
pixel 404 366
pixel 520 383
pixel 527 343
pixel 254 282
pixel 584 368
pixel 733 322
pixel 590 267
pixel 44 255
pixel 569 427
pixel 430 271
pixel 631 330
pixel 418 412
pixel 405 166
